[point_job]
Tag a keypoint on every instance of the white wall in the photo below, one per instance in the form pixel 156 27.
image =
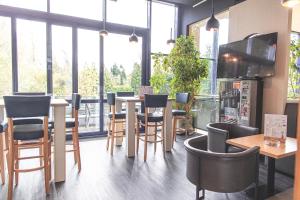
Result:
pixel 266 16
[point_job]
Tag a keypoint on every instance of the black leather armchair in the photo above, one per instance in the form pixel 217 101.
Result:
pixel 220 172
pixel 218 133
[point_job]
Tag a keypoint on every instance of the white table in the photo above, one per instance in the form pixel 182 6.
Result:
pixel 130 123
pixel 59 113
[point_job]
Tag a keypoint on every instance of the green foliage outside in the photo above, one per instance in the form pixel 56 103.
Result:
pixel 294 75
pixel 181 71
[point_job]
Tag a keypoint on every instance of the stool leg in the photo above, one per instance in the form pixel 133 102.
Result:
pixel 77 150
pixel 112 137
pixel 16 154
pixel 2 168
pixel 174 130
pixel 145 142
pixel 155 137
pixel 137 137
pixel 41 153
pixel 74 144
pixel 46 165
pixel 108 135
pixel 50 162
pixel 10 170
pixel 163 138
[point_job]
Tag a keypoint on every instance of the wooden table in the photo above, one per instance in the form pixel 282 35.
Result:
pixel 272 153
pixel 130 123
pixel 59 113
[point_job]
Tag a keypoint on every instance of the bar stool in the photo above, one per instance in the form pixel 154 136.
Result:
pixel 114 119
pixel 73 123
pixel 181 100
pixel 32 135
pixel 3 128
pixel 152 119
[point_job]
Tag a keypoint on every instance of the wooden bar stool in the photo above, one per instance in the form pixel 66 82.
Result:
pixel 152 119
pixel 3 128
pixel 181 100
pixel 27 135
pixel 114 118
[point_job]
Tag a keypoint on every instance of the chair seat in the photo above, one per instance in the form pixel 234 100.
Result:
pixel 70 123
pixel 118 115
pixel 233 149
pixel 152 117
pixel 136 109
pixel 3 127
pixel 28 132
pixel 22 121
pixel 178 113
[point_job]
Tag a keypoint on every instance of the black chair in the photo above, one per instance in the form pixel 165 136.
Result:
pixel 27 135
pixel 30 93
pixel 73 123
pixel 114 118
pixel 127 94
pixel 218 133
pixel 178 114
pixel 3 128
pixel 220 172
pixel 152 119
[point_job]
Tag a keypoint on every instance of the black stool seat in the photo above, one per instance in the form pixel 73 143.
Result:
pixel 28 132
pixel 136 109
pixel 23 121
pixel 118 115
pixel 152 117
pixel 3 126
pixel 178 113
pixel 70 123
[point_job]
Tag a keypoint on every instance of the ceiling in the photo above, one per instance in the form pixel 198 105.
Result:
pixel 192 2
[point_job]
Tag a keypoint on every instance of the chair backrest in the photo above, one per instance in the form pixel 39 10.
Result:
pixel 218 133
pixel 30 93
pixel 155 101
pixel 125 94
pixel 111 99
pixel 182 98
pixel 291 110
pixel 27 106
pixel 220 172
pixel 237 131
pixel 76 99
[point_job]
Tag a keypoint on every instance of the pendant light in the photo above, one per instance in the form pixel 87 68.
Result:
pixel 212 24
pixel 290 3
pixel 171 41
pixel 133 37
pixel 104 32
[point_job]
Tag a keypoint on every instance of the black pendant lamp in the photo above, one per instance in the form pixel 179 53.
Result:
pixel 104 32
pixel 133 37
pixel 171 41
pixel 212 24
pixel 290 3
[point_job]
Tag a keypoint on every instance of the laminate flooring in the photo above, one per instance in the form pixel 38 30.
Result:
pixel 106 177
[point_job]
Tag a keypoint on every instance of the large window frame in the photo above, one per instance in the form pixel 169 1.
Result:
pixel 77 23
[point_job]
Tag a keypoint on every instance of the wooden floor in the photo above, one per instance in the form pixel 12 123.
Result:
pixel 105 177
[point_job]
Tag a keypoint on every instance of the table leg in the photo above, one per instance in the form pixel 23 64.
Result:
pixel 168 127
pixel 271 176
pixel 119 126
pixel 130 129
pixel 59 144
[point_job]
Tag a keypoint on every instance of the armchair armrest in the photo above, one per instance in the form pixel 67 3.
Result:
pixel 217 138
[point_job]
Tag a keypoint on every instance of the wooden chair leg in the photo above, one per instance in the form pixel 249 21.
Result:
pixel 112 138
pixel 16 155
pixel 145 142
pixel 155 137
pixel 163 138
pixel 50 161
pixel 46 165
pixel 41 153
pixel 77 150
pixel 10 170
pixel 74 145
pixel 174 130
pixel 137 137
pixel 108 136
pixel 2 168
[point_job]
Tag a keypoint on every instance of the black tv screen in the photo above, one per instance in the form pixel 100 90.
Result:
pixel 253 57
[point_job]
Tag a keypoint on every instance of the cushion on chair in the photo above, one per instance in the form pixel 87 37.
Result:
pixel 152 117
pixel 178 113
pixel 28 132
pixel 136 109
pixel 70 122
pixel 118 115
pixel 22 121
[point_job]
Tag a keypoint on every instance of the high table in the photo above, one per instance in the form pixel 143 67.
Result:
pixel 59 113
pixel 272 153
pixel 130 123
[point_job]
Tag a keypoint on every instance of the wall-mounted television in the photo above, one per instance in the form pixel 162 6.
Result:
pixel 253 57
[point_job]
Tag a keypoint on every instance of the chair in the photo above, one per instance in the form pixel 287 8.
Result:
pixel 220 172
pixel 114 118
pixel 218 133
pixel 152 119
pixel 73 123
pixel 30 93
pixel 27 135
pixel 127 94
pixel 3 128
pixel 181 99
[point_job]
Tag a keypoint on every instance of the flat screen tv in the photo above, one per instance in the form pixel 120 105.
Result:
pixel 253 57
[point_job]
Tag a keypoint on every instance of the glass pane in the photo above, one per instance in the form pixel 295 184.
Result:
pixel 5 57
pixel 88 79
pixel 161 26
pixel 294 67
pixel 31 40
pixel 133 12
pixel 28 4
pixel 62 61
pixel 91 9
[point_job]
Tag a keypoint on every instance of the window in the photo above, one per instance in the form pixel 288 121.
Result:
pixel 62 61
pixel 40 5
pixel 133 12
pixel 294 67
pixel 31 41
pixel 5 57
pixel 161 26
pixel 91 9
